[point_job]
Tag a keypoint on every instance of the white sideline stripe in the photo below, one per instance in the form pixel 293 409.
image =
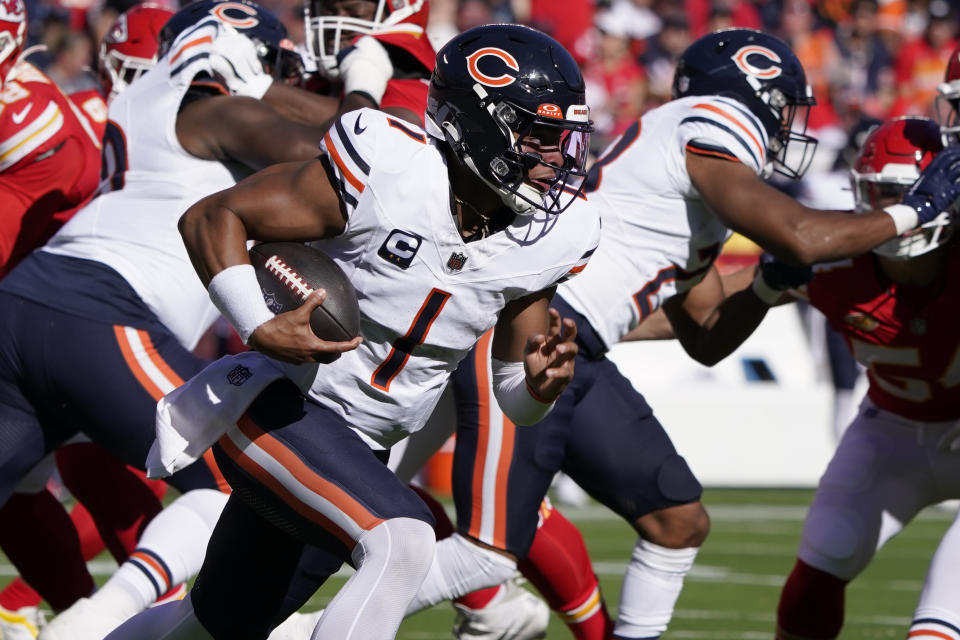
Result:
pixel 716 574
pixel 738 513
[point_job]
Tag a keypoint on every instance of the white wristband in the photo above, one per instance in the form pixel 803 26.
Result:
pixel 514 396
pixel 367 69
pixel 236 293
pixel 904 217
pixel 767 294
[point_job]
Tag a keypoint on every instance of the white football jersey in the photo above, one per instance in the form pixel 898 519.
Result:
pixel 425 295
pixel 659 237
pixel 150 181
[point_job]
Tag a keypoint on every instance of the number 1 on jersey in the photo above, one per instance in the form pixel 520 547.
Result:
pixel 416 334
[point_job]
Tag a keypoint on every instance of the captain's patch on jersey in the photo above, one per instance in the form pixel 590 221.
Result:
pixel 400 247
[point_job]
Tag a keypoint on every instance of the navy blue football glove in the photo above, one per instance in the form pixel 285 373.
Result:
pixel 781 276
pixel 938 187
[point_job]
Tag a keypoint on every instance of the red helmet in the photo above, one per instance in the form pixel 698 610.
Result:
pixel 13 32
pixel 947 102
pixel 890 160
pixel 130 46
pixel 327 32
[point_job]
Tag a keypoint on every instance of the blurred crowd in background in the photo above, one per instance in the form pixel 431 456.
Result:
pixel 866 59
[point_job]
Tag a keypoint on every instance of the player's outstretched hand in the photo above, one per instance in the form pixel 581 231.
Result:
pixel 365 68
pixel 288 336
pixel 548 359
pixel 938 187
pixel 234 60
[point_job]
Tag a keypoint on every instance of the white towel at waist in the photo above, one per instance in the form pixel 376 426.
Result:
pixel 193 416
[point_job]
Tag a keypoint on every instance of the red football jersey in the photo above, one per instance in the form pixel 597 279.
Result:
pixel 906 336
pixel 49 161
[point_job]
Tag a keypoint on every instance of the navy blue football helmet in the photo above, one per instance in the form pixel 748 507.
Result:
pixel 762 72
pixel 510 102
pixel 274 48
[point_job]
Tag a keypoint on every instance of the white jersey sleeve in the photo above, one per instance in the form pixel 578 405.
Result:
pixel 724 128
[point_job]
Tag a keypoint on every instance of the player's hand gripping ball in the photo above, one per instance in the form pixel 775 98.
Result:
pixel 288 272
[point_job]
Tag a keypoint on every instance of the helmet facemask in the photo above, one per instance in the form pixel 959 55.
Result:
pixel 540 160
pixel 326 35
pixel 945 109
pixel 873 191
pixel 792 150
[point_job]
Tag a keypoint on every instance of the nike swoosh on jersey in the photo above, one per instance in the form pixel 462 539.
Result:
pixel 19 117
pixel 357 129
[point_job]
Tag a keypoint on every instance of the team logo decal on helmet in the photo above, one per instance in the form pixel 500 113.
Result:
pixel 740 58
pixel 550 111
pixel 502 80
pixel 247 22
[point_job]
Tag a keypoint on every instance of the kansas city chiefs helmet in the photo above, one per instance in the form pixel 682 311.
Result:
pixel 510 102
pixel 331 26
pixel 891 159
pixel 13 32
pixel 762 73
pixel 130 46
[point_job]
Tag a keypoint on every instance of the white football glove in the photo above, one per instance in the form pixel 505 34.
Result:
pixel 366 68
pixel 234 59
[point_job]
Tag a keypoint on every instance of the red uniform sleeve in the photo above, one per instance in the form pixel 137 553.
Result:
pixel 408 94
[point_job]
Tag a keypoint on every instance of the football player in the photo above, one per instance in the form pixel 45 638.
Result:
pixel 120 320
pixel 50 165
pixel 892 307
pixel 898 455
pixel 444 233
pixel 671 188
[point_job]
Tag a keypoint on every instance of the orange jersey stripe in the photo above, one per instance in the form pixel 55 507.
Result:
pixel 211 462
pixel 190 44
pixel 483 432
pixel 926 633
pixel 352 179
pixel 721 112
pixel 578 269
pixel 155 392
pixel 306 476
pixel 718 154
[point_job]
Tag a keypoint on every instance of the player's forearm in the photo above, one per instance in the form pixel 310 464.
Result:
pixel 214 236
pixel 302 106
pixel 823 236
pixel 719 334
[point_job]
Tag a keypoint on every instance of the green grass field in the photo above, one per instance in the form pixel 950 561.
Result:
pixel 733 589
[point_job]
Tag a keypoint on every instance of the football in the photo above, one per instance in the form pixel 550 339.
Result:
pixel 288 272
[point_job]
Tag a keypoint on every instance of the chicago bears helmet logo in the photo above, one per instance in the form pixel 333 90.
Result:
pixel 238 22
pixel 502 80
pixel 771 69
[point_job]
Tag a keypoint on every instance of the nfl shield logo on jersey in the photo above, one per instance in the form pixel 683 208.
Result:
pixel 456 261
pixel 238 375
